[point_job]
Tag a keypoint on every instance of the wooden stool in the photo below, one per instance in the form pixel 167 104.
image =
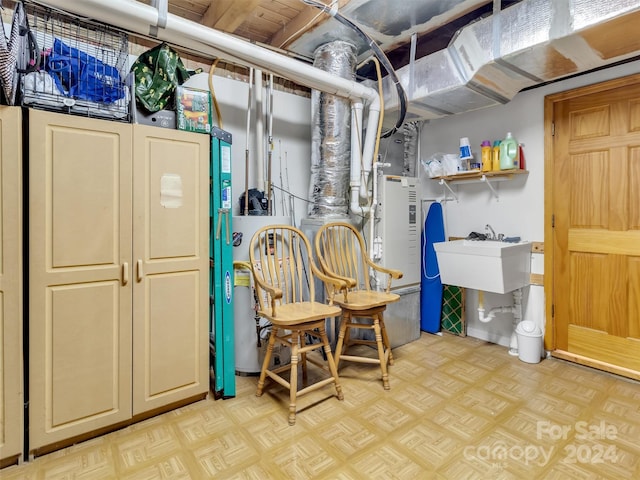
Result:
pixel 285 275
pixel 342 254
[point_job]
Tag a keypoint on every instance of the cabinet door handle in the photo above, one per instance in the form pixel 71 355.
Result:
pixel 139 270
pixel 125 273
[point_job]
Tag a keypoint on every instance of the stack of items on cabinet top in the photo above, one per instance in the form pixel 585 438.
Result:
pixel 161 99
pixel 74 66
pixel 81 67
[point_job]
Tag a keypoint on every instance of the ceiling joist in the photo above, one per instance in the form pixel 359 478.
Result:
pixel 304 21
pixel 228 15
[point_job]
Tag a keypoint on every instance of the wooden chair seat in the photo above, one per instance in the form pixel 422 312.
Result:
pixel 285 275
pixel 365 299
pixel 341 253
pixel 299 313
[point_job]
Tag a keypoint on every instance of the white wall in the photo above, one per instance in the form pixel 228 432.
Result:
pixel 291 136
pixel 520 208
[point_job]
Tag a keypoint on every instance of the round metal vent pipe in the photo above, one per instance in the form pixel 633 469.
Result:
pixel 331 135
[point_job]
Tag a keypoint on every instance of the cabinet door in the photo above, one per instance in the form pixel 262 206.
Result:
pixel 171 256
pixel 79 275
pixel 11 391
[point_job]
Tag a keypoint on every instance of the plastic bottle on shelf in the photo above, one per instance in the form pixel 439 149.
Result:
pixel 486 154
pixel 495 156
pixel 509 157
pixel 523 164
pixel 465 149
pixel 466 157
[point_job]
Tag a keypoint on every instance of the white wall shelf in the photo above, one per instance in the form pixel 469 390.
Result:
pixel 488 178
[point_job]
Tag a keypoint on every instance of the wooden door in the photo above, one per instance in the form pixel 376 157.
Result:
pixel 595 178
pixel 11 389
pixel 171 256
pixel 79 275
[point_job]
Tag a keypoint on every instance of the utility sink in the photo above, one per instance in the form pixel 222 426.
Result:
pixel 490 266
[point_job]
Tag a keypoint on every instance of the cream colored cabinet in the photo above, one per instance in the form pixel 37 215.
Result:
pixel 118 264
pixel 11 369
pixel 171 255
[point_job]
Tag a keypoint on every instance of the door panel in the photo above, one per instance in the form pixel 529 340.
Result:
pixel 11 391
pixel 83 352
pixel 172 296
pixel 84 203
pixel 171 300
pixel 596 239
pixel 79 298
pixel 173 221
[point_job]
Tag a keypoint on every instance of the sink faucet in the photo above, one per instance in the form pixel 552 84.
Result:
pixel 491 234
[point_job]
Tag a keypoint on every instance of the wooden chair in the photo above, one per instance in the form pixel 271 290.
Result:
pixel 342 254
pixel 284 273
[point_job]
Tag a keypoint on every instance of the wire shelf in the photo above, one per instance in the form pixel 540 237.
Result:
pixel 83 66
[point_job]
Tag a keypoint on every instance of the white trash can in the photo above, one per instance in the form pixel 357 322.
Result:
pixel 529 342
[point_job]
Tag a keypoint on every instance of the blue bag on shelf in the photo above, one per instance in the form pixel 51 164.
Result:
pixel 82 76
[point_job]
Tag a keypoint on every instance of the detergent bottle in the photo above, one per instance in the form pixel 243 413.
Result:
pixel 486 152
pixel 495 156
pixel 509 158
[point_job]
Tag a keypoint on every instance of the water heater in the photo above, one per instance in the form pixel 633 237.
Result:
pixel 397 238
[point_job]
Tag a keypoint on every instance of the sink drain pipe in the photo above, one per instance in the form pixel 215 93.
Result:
pixel 515 309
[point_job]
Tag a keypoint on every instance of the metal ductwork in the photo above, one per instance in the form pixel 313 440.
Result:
pixel 331 135
pixel 534 41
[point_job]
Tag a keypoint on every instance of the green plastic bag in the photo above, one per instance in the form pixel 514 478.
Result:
pixel 157 73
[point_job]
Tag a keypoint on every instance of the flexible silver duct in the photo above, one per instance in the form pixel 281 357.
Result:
pixel 331 135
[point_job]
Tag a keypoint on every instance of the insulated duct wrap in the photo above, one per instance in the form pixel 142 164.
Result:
pixel 410 132
pixel 534 41
pixel 331 134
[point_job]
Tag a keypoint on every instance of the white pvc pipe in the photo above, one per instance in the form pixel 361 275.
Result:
pixel 356 156
pixel 270 102
pixel 249 102
pixel 139 18
pixel 516 309
pixel 372 212
pixel 367 152
pixel 247 166
pixel 270 146
pixel 260 183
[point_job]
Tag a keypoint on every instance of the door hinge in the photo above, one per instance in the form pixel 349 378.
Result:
pixel 553 129
pixel 553 221
pixel 553 310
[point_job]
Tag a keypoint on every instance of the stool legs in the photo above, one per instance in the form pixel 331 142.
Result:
pixel 381 342
pixel 332 365
pixel 265 363
pixel 293 380
pixel 299 349
pixel 341 345
pixel 385 339
pixel 381 354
